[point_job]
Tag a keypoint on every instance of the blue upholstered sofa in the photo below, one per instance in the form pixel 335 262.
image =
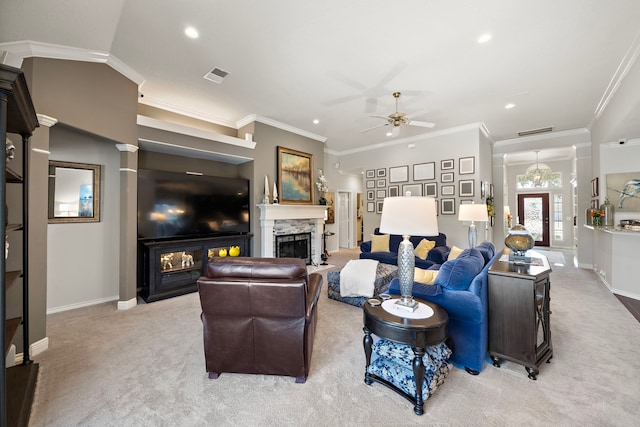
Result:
pixel 461 289
pixel 437 255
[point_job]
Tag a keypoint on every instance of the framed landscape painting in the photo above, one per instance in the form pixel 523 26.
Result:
pixel 295 170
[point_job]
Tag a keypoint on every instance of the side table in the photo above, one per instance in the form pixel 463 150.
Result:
pixel 519 313
pixel 417 333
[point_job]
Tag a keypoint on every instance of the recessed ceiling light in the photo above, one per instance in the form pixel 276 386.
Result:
pixel 389 134
pixel 484 38
pixel 191 32
pixel 509 106
pixel 316 121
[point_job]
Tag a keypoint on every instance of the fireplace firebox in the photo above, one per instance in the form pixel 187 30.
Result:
pixel 294 246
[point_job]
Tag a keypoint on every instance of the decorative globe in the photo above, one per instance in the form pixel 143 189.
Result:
pixel 519 239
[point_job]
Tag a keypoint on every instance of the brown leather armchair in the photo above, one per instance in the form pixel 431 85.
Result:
pixel 259 316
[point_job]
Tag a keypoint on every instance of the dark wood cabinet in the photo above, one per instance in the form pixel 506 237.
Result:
pixel 519 313
pixel 17 118
pixel 170 268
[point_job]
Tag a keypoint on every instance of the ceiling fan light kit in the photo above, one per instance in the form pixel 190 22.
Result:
pixel 398 118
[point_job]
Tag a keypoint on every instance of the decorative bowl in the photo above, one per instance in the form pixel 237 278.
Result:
pixel 519 239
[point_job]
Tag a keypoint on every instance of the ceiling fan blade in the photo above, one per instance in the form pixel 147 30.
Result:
pixel 421 124
pixel 375 127
pixel 378 116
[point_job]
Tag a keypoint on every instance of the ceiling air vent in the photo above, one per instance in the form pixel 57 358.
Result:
pixel 216 75
pixel 535 131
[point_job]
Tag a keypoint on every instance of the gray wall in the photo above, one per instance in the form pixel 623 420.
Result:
pixel 267 140
pixel 83 264
pixel 437 146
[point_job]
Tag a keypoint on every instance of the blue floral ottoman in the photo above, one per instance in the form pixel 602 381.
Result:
pixel 393 362
pixel 384 274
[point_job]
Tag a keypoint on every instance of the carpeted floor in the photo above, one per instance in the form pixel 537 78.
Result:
pixel 145 367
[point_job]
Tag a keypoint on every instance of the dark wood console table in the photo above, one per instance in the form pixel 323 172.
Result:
pixel 168 268
pixel 418 333
pixel 519 313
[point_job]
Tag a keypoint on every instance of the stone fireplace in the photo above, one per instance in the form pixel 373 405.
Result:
pixel 280 220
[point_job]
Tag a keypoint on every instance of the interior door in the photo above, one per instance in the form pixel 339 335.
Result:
pixel 343 218
pixel 533 213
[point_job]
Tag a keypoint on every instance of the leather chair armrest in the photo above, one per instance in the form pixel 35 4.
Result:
pixel 313 292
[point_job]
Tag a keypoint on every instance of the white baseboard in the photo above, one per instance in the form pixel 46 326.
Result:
pixel 585 265
pixel 35 349
pixel 627 294
pixel 126 305
pixel 80 305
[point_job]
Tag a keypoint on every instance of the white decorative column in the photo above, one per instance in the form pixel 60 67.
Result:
pixel 269 214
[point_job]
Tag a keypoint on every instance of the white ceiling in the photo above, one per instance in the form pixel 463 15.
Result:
pixel 295 61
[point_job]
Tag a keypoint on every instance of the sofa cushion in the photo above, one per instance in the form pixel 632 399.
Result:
pixel 458 273
pixel 379 243
pixel 423 248
pixel 454 253
pixel 487 249
pixel 385 257
pixel 426 277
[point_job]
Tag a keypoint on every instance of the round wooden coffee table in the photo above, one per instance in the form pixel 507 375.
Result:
pixel 417 333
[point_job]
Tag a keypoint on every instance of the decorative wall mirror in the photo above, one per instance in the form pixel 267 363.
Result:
pixel 74 192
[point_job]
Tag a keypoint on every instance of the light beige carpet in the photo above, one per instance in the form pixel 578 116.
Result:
pixel 145 367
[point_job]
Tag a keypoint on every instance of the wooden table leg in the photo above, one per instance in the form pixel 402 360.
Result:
pixel 418 374
pixel 367 342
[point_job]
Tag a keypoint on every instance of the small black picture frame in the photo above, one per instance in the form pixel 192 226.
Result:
pixel 466 188
pixel 447 164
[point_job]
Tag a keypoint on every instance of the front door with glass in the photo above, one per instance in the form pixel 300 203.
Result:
pixel 533 213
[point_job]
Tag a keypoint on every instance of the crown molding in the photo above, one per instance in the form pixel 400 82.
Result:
pixel 415 138
pixel 276 124
pixel 47 121
pixel 628 60
pixel 542 137
pixel 29 48
pixel 127 147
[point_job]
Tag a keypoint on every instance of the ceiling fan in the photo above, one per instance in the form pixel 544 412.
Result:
pixel 396 119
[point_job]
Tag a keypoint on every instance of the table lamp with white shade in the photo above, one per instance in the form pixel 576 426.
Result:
pixel 472 212
pixel 408 216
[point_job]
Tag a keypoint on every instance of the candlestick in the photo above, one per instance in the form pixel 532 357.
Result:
pixel 275 193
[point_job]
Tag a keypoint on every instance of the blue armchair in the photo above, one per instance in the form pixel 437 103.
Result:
pixel 461 289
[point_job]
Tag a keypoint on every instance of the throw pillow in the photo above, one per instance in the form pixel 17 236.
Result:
pixel 426 277
pixel 379 243
pixel 423 248
pixel 455 253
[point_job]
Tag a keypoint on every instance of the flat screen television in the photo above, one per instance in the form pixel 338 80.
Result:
pixel 181 205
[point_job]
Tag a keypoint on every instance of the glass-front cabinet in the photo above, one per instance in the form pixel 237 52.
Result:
pixel 171 268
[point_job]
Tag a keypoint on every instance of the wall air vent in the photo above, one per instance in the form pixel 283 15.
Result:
pixel 535 131
pixel 217 75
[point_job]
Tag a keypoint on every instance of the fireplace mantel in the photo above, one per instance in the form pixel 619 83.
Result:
pixel 269 214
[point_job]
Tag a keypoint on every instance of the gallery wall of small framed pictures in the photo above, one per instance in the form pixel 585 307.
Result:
pixel 432 179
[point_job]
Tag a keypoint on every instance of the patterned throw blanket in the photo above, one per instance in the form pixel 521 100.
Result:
pixel 357 278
